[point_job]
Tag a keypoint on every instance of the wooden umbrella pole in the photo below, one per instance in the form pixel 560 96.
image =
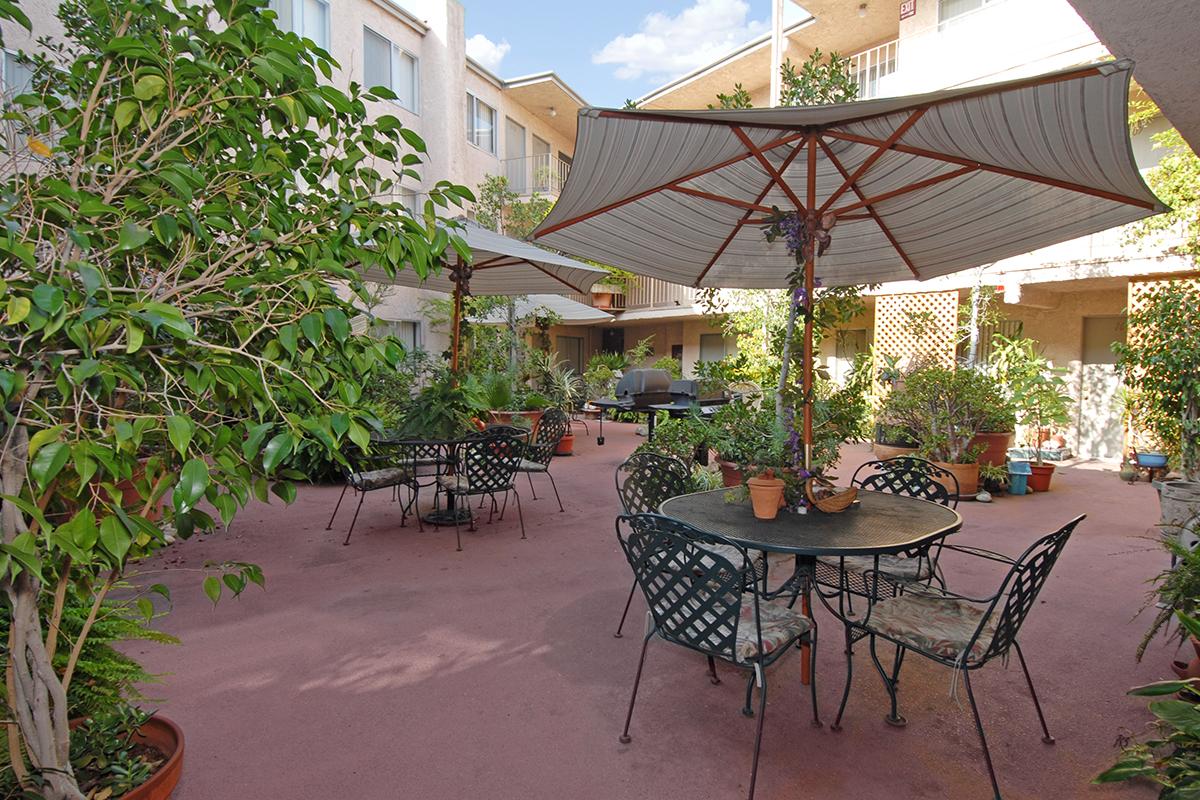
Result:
pixel 809 286
pixel 456 320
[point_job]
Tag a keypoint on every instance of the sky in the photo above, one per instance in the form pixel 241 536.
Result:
pixel 611 50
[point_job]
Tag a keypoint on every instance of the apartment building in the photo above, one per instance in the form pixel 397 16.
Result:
pixel 1070 297
pixel 474 123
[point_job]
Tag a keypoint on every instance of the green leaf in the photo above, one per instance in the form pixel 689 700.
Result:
pixel 276 450
pixel 124 114
pixel 85 369
pixel 193 480
pixel 145 608
pixel 1180 714
pixel 48 298
pixel 212 588
pixel 149 87
pixel 285 491
pixel 135 338
pixel 180 430
pixel 132 236
pixel 226 506
pixel 48 462
pixel 114 537
pixel 359 435
pixel 1163 687
pixel 18 309
pixel 42 437
pixel 335 318
pixel 289 338
pixel 314 328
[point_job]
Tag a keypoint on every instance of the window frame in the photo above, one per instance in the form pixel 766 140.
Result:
pixel 396 49
pixel 472 139
pixel 297 14
pixel 388 327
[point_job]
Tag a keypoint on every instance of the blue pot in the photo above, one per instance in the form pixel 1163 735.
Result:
pixel 1018 477
pixel 1153 460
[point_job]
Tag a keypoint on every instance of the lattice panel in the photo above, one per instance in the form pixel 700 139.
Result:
pixel 910 325
pixel 1140 291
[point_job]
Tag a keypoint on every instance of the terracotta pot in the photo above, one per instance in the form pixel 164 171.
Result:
pixel 602 300
pixel 1188 669
pixel 766 495
pixel 967 475
pixel 566 445
pixel 995 447
pixel 1039 481
pixel 165 736
pixel 885 451
pixel 130 498
pixel 731 475
pixel 507 417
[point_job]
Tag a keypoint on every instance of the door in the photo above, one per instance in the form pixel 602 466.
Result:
pixel 515 166
pixel 612 340
pixel 543 178
pixel 570 350
pixel 1101 433
pixel 847 345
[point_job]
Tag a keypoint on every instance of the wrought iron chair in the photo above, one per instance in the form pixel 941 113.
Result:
pixel 704 601
pixel 383 468
pixel 904 475
pixel 484 464
pixel 960 632
pixel 550 430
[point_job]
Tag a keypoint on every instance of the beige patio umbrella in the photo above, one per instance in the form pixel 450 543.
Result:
pixel 500 265
pixel 889 189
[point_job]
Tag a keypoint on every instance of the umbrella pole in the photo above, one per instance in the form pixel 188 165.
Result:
pixel 455 326
pixel 809 281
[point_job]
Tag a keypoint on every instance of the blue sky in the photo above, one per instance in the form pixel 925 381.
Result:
pixel 613 49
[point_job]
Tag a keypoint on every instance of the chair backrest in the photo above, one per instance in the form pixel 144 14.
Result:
pixel 909 476
pixel 649 480
pixel 1020 589
pixel 551 428
pixel 488 461
pixel 694 595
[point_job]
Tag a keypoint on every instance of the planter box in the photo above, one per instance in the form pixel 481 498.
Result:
pixel 995 445
pixel 967 475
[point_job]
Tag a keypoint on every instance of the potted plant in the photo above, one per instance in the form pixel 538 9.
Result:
pixel 509 402
pixel 565 391
pixel 999 431
pixel 994 478
pixel 738 433
pixel 1038 396
pixel 1176 593
pixel 946 407
pixel 1160 363
pixel 766 492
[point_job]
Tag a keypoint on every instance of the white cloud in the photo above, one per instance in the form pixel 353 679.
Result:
pixel 487 52
pixel 667 46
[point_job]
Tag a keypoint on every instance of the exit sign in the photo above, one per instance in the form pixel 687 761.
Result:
pixel 908 9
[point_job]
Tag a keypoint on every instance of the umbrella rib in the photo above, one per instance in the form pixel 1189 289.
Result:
pixel 492 264
pixel 716 198
pixel 864 202
pixel 491 261
pixel 870 211
pixel 1012 173
pixel 665 186
pixel 870 160
pixel 566 283
pixel 776 177
pixel 742 222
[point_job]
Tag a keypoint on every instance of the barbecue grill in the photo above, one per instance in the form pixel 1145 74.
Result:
pixel 648 391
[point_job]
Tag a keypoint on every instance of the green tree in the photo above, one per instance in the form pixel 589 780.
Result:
pixel 1176 181
pixel 180 191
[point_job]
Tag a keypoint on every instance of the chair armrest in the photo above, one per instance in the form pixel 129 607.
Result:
pixel 932 591
pixel 980 552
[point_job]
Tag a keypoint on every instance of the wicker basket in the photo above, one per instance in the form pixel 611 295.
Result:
pixel 840 500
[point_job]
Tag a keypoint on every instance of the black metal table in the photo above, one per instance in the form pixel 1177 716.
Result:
pixel 879 524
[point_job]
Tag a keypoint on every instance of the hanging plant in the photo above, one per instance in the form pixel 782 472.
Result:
pixel 806 236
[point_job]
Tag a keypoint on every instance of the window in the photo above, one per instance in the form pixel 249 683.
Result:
pixel 949 9
pixel 570 350
pixel 16 76
pixel 307 18
pixel 481 124
pixel 713 347
pixel 385 64
pixel 408 199
pixel 408 332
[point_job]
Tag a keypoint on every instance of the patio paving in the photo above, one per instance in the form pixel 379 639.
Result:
pixel 396 667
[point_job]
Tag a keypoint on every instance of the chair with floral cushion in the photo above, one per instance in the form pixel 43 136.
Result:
pixel 551 428
pixel 484 463
pixel 911 477
pixel 961 632
pixel 702 600
pixel 382 468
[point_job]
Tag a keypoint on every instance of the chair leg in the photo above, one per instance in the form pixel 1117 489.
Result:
pixel 457 531
pixel 336 507
pixel 625 613
pixel 812 674
pixel 637 679
pixel 1046 737
pixel 554 486
pixel 361 496
pixel 520 516
pixel 837 723
pixel 987 756
pixel 898 662
pixel 532 490
pixel 893 718
pixel 747 710
pixel 712 672
pixel 762 715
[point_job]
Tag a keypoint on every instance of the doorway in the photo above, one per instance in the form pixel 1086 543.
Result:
pixel 1101 431
pixel 612 340
pixel 516 168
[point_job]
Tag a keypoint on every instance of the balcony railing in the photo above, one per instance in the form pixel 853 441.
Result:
pixel 652 293
pixel 871 67
pixel 542 173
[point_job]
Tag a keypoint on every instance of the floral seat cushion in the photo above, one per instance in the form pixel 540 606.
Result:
pixel 734 556
pixel 780 625
pixel 531 466
pixel 933 623
pixel 901 568
pixel 457 484
pixel 380 478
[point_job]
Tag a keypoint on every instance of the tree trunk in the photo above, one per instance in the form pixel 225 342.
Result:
pixel 41 701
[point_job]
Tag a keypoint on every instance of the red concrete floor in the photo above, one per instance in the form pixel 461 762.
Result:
pixel 397 668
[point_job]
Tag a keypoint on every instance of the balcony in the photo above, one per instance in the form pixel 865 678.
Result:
pixel 651 293
pixel 542 173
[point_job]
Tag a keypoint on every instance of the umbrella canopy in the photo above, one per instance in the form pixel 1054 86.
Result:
pixel 501 265
pixel 569 311
pixel 919 186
